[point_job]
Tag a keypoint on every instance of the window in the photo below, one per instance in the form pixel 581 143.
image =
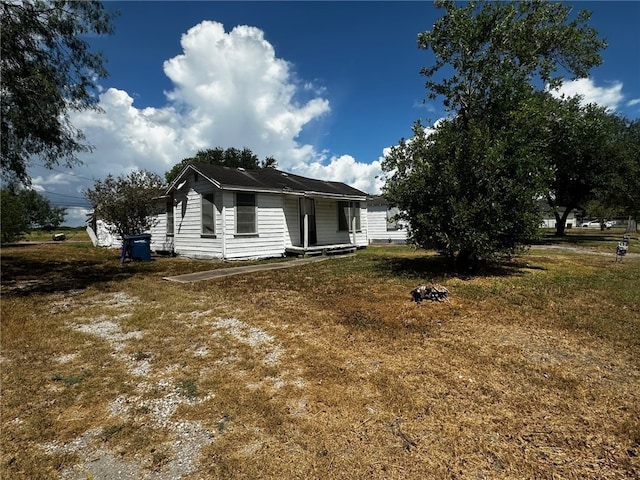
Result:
pixel 170 217
pixel 208 214
pixel 347 213
pixel 392 219
pixel 245 213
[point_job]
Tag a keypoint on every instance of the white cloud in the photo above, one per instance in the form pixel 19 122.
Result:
pixel 610 97
pixel 633 101
pixel 363 176
pixel 229 89
pixel 41 181
pixel 76 216
pixel 238 93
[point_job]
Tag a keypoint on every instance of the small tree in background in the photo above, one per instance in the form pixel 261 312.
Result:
pixel 39 212
pixel 621 194
pixel 24 210
pixel 127 203
pixel 231 157
pixel 14 219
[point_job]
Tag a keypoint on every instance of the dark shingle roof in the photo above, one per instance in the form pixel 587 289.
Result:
pixel 272 179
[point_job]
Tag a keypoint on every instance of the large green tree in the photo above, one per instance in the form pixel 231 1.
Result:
pixel 621 194
pixel 590 151
pixel 127 203
pixel 231 157
pixel 48 70
pixel 469 188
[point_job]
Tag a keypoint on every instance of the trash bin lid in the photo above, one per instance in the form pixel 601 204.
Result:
pixel 137 237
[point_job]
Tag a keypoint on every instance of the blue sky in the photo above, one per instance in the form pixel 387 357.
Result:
pixel 324 87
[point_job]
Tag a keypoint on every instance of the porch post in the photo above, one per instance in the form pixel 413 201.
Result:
pixel 224 229
pixel 352 214
pixel 306 224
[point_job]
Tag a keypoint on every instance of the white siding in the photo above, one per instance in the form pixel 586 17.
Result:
pixel 160 241
pixel 292 216
pixel 105 236
pixel 327 224
pixel 378 233
pixel 188 238
pixel 269 241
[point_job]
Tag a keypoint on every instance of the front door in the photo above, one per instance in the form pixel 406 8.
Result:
pixel 308 233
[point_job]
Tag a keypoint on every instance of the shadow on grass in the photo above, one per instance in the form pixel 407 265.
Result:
pixel 579 238
pixel 438 268
pixel 23 275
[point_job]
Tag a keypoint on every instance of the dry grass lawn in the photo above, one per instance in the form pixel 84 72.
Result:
pixel 320 371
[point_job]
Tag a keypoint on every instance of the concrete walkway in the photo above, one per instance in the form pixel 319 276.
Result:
pixel 225 272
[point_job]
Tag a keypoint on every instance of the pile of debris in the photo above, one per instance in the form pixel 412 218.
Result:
pixel 434 293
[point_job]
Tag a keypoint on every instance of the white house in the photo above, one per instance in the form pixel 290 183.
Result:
pixel 383 226
pixel 213 211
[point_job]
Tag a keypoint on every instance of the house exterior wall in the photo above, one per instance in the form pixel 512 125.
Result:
pixel 269 241
pixel 160 241
pixel 187 219
pixel 104 237
pixel 292 218
pixel 188 240
pixel 377 222
pixel 327 224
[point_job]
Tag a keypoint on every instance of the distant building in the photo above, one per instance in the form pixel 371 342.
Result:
pixel 549 218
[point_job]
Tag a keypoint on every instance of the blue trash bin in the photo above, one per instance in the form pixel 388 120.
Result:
pixel 136 247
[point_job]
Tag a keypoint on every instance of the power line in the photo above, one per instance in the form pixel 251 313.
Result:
pixel 66 203
pixel 64 173
pixel 71 205
pixel 62 195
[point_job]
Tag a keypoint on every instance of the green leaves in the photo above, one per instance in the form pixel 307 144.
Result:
pixel 25 210
pixel 47 71
pixel 497 51
pixel 470 187
pixel 127 202
pixel 231 157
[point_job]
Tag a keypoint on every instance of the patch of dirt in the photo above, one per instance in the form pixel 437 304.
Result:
pixel 157 398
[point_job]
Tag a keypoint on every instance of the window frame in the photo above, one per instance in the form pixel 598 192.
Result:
pixel 392 220
pixel 249 208
pixel 353 211
pixel 170 217
pixel 208 228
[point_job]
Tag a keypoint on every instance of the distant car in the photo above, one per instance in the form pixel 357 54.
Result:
pixel 596 224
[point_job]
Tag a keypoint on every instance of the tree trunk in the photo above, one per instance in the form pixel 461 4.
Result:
pixel 561 220
pixel 467 262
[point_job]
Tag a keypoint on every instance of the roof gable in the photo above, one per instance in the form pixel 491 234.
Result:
pixel 265 179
